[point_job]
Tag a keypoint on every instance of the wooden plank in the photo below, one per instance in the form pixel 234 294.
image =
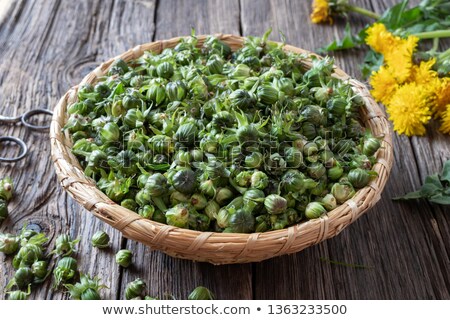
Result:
pixel 430 153
pixel 32 80
pixel 177 18
pixel 407 260
pixel 64 40
pixel 162 273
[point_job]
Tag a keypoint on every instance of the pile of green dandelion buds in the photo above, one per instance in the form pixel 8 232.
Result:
pixel 209 139
pixel 32 265
pixel 30 262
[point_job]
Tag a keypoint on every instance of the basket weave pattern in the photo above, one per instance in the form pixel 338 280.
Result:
pixel 216 248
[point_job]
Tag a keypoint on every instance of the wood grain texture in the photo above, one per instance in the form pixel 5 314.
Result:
pixel 48 46
pixel 65 40
pixel 403 244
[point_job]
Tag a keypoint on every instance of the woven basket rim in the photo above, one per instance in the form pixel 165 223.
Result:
pixel 219 248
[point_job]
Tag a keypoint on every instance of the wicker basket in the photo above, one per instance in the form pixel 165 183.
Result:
pixel 216 248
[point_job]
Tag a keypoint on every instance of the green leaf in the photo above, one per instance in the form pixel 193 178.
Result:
pixel 423 26
pixel 428 16
pixel 433 189
pixel 372 62
pixel 158 167
pixel 429 190
pixel 392 17
pixel 349 41
pixel 241 118
pixel 435 9
pixel 119 89
pixel 10 284
pixel 432 186
pixel 410 17
pixel 156 130
pixel 440 199
pixel 228 140
pixel 445 175
pixel 362 34
pixel 434 180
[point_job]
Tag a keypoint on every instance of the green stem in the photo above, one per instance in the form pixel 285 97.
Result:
pixel 433 34
pixel 444 55
pixel 356 266
pixel 363 11
pixel 435 45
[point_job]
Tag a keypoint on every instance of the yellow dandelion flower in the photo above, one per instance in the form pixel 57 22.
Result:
pixel 445 120
pixel 424 73
pixel 399 58
pixel 442 96
pixel 321 12
pixel 409 110
pixel 384 84
pixel 380 39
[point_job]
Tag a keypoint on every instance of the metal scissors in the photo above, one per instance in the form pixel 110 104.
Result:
pixel 25 121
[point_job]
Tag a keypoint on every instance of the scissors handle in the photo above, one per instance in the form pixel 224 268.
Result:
pixel 12 120
pixel 25 118
pixel 22 146
pixel 27 115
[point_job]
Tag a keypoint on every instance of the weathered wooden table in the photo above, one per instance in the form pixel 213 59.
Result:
pixel 48 46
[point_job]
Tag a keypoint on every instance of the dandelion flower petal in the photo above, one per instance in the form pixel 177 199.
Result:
pixel 445 125
pixel 442 96
pixel 399 58
pixel 384 85
pixel 321 12
pixel 380 39
pixel 409 110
